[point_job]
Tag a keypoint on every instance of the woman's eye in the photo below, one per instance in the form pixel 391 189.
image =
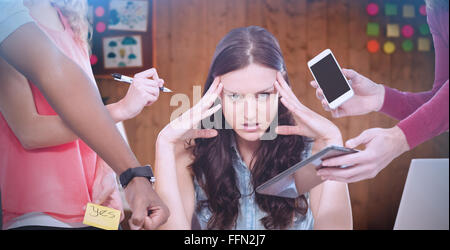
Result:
pixel 234 96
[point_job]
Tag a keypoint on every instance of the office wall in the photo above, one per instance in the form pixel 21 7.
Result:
pixel 187 31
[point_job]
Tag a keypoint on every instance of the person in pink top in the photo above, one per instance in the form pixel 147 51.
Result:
pixel 48 174
pixel 422 115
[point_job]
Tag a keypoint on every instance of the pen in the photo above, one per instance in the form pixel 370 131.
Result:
pixel 127 79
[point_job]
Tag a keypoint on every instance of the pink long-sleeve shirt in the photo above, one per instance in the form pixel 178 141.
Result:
pixel 424 115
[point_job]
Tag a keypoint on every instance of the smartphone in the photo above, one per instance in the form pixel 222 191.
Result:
pixel 327 73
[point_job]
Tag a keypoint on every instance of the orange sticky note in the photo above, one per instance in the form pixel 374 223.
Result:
pixel 101 217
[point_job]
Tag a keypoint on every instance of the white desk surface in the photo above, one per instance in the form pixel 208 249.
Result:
pixel 425 199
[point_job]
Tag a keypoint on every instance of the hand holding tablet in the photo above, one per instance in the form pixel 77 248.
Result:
pixel 286 185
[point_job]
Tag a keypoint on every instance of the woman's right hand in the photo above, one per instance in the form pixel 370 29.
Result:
pixel 369 96
pixel 186 125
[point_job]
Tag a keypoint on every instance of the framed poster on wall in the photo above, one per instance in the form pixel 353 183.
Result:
pixel 122 39
pixel 122 51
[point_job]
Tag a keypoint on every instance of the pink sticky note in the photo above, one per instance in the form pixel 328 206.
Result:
pixel 93 59
pixel 100 27
pixel 99 11
pixel 372 9
pixel 407 31
pixel 423 10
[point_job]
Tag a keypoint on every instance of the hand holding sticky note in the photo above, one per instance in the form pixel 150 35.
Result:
pixel 101 217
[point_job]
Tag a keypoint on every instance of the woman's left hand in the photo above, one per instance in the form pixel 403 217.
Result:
pixel 308 122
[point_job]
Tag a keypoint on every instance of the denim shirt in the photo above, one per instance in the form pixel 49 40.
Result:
pixel 250 215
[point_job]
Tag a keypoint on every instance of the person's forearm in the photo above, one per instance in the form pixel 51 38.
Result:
pixel 167 185
pixel 69 91
pixel 49 130
pixel 117 112
pixel 428 121
pixel 399 105
pixel 334 209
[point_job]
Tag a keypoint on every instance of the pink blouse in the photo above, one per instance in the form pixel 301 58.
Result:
pixel 55 180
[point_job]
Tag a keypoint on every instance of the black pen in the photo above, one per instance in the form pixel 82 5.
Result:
pixel 127 79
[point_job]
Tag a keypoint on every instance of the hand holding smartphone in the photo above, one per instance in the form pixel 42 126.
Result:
pixel 328 74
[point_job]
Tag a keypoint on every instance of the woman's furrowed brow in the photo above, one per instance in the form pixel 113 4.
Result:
pixel 269 89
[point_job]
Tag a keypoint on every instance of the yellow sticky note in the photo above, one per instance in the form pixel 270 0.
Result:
pixel 423 44
pixel 389 47
pixel 101 217
pixel 392 30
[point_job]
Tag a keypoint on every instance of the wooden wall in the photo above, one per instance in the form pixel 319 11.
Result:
pixel 187 32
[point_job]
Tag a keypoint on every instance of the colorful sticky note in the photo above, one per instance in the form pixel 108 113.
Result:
pixel 423 44
pixel 407 31
pixel 390 9
pixel 99 11
pixel 423 10
pixel 407 45
pixel 373 29
pixel 372 9
pixel 100 27
pixel 409 11
pixel 93 59
pixel 424 29
pixel 389 47
pixel 101 217
pixel 392 30
pixel 373 46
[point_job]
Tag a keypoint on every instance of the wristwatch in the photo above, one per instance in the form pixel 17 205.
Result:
pixel 129 174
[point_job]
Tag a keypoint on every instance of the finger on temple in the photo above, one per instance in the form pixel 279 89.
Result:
pixel 213 86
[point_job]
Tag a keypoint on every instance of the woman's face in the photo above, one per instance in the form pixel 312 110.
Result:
pixel 249 100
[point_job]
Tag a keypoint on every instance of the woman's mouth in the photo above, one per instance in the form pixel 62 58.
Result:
pixel 251 127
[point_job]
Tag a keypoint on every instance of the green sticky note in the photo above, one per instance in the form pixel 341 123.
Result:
pixel 424 29
pixel 390 9
pixel 408 11
pixel 373 29
pixel 407 45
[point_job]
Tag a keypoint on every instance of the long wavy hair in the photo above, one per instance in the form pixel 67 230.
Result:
pixel 212 165
pixel 76 13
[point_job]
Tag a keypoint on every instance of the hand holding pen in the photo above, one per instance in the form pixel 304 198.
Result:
pixel 127 79
pixel 143 91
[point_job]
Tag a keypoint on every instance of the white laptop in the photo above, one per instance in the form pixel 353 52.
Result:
pixel 424 203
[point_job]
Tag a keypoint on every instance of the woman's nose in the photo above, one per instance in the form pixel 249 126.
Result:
pixel 250 108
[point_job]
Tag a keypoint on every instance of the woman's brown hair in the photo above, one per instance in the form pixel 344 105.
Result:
pixel 212 165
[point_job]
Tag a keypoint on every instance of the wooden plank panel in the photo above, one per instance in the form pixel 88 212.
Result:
pixel 187 32
pixel 359 61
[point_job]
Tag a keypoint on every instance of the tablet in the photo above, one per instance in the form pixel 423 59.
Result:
pixel 283 184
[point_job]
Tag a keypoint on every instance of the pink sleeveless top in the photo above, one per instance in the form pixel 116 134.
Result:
pixel 55 180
